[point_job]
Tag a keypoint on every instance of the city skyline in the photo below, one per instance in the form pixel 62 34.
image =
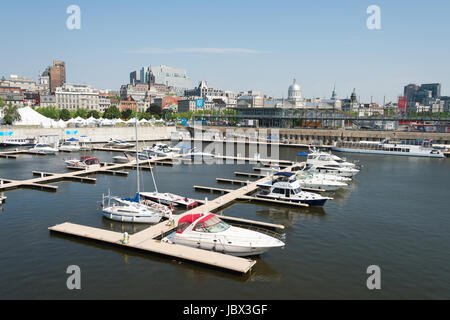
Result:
pixel 276 43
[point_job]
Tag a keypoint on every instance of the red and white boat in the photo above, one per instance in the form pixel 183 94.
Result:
pixel 83 163
pixel 209 232
pixel 169 199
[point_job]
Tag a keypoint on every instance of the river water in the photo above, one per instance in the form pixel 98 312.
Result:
pixel 395 214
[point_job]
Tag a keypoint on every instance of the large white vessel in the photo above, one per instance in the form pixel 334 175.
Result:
pixel 387 147
pixel 209 232
pixel 18 142
pixel 324 162
pixel 285 187
pixel 70 146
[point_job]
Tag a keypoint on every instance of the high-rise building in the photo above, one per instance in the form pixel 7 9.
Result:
pixel 435 89
pixel 168 76
pixel 57 74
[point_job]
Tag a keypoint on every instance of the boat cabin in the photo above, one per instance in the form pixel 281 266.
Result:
pixel 209 223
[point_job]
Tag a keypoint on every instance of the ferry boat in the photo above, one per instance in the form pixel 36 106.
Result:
pixel 388 147
pixel 285 187
pixel 209 232
pixel 18 142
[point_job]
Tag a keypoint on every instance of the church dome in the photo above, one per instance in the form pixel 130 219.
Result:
pixel 294 92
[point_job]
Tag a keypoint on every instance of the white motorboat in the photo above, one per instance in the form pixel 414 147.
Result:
pixel 308 180
pixel 324 163
pixel 325 176
pixel 197 155
pixel 42 148
pixel 387 147
pixel 161 150
pixel 209 232
pixel 128 157
pixel 85 163
pixel 285 187
pixel 119 144
pixel 69 146
pixel 169 199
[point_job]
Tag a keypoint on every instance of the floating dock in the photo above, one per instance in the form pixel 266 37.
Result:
pixel 149 239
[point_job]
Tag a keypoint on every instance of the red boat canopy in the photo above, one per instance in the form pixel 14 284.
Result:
pixel 185 221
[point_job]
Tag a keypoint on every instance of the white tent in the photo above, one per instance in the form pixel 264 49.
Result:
pixel 61 124
pixel 91 121
pixel 30 117
pixel 116 121
pixel 106 122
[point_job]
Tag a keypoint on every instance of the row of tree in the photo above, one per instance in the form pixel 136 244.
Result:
pixel 112 112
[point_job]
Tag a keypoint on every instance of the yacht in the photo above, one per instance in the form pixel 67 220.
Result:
pixel 324 163
pixel 119 144
pixel 285 187
pixel 209 232
pixel 69 146
pixel 388 147
pixel 42 148
pixel 127 157
pixel 161 150
pixel 194 154
pixel 18 142
pixel 319 181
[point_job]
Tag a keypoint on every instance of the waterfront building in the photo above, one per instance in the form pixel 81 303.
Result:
pixel 192 104
pixel 12 95
pixel 130 103
pixel 47 100
pixel 43 86
pixel 25 84
pixel 214 98
pixel 167 102
pixel 104 101
pixel 250 99
pixel 57 75
pixel 163 75
pixel 76 96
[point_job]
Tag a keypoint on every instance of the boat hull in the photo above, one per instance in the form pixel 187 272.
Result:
pixel 311 202
pixel 385 152
pixel 130 219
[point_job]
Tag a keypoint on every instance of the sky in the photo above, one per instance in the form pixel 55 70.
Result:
pixel 236 45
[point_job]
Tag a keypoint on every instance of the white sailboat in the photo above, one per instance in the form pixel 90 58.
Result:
pixel 132 209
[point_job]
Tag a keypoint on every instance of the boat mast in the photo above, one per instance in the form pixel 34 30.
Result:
pixel 137 158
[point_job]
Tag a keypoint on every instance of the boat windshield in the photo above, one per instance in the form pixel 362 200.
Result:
pixel 212 225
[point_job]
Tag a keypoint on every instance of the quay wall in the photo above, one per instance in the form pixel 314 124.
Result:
pixel 329 136
pixel 95 134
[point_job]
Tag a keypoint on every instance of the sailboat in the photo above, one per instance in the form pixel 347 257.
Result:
pixel 132 209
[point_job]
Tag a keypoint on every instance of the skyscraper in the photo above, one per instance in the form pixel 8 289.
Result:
pixel 435 89
pixel 57 75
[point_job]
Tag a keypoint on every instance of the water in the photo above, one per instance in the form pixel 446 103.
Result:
pixel 395 215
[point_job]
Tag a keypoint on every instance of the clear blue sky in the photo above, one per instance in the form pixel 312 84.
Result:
pixel 258 45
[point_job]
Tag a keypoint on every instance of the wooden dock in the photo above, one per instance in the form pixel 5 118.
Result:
pixel 146 240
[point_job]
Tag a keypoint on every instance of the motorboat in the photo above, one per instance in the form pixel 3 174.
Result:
pixel 324 163
pixel 324 176
pixel 119 144
pixel 286 187
pixel 209 232
pixel 83 163
pixel 18 143
pixel 390 147
pixel 42 148
pixel 127 157
pixel 194 155
pixel 69 146
pixel 161 150
pixel 319 181
pixel 169 199
pixel 85 147
pixel 316 153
